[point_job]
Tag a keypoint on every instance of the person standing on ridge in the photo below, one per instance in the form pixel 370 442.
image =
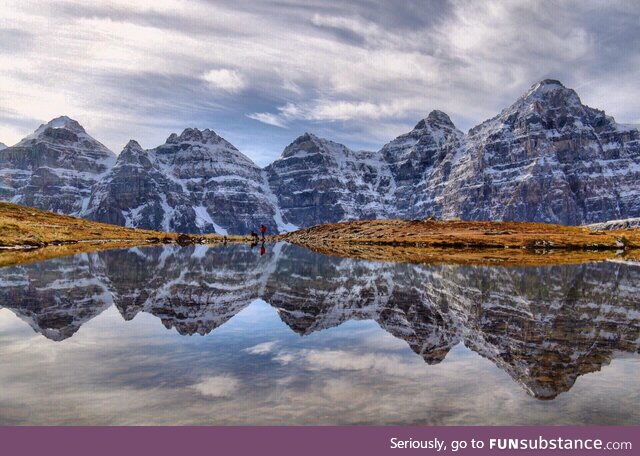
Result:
pixel 263 230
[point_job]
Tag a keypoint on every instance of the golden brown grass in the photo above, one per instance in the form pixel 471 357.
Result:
pixel 507 243
pixel 417 241
pixel 48 235
pixel 23 226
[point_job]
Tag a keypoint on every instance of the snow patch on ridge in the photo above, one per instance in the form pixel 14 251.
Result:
pixel 203 218
pixel 283 227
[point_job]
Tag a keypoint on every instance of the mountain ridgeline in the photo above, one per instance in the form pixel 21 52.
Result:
pixel 546 158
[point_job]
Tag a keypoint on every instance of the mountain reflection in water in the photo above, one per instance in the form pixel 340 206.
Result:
pixel 544 326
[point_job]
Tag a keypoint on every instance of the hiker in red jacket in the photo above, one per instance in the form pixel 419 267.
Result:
pixel 263 230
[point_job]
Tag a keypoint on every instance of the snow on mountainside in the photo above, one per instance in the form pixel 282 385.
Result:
pixel 320 181
pixel 420 162
pixel 196 182
pixel 545 158
pixel 2 146
pixel 54 168
pixel 616 224
pixel 136 194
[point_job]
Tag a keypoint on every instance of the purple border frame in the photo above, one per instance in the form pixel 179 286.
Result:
pixel 299 441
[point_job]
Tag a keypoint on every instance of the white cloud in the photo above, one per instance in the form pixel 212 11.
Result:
pixel 228 80
pixel 138 69
pixel 346 110
pixel 268 118
pixel 217 386
pixel 262 348
pixel 284 358
pixel 333 110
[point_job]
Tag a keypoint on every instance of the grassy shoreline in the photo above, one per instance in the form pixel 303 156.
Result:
pixel 462 242
pixel 28 234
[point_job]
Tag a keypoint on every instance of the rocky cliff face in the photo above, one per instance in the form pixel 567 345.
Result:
pixel 546 158
pixel 137 194
pixel 319 181
pixel 196 182
pixel 54 168
pixel 420 162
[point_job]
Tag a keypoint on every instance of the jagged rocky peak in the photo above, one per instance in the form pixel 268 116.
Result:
pixel 307 143
pixel 548 106
pixel 306 136
pixel 201 149
pixel 435 119
pixel 133 145
pixel 130 152
pixel 66 134
pixel 311 146
pixel 55 167
pixel 196 182
pixel 61 128
pixel 436 129
pixel 546 85
pixel 548 158
pixel 552 94
pixel 320 181
pixel 194 135
pixel 64 122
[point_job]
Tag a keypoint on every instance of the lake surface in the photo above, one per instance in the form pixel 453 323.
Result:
pixel 225 335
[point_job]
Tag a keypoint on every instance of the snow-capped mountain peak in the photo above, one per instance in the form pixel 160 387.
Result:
pixel 67 123
pixel 195 182
pixel 194 135
pixel 546 157
pixel 549 158
pixel 548 107
pixel 304 143
pixel 2 146
pixel 437 119
pixel 546 85
pixel 55 167
pixel 203 145
pixel 320 181
pixel 551 94
pixel 61 128
pixel 133 145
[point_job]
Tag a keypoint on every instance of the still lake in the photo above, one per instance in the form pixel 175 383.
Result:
pixel 224 335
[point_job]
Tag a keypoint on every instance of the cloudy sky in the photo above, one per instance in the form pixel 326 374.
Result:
pixel 262 72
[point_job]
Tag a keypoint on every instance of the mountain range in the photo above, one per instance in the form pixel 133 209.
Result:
pixel 546 158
